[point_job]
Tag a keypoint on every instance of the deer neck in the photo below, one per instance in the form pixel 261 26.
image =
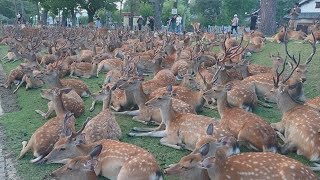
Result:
pixel 140 96
pixel 222 104
pixel 286 102
pixel 167 113
pixel 58 105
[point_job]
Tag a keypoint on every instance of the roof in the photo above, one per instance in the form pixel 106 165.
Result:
pixel 304 2
pixel 305 16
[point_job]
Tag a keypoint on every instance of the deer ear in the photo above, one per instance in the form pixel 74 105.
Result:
pixel 96 151
pixel 90 164
pixel 210 129
pixel 204 150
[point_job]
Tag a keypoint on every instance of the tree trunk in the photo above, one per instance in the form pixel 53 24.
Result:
pixel 64 18
pixel 90 15
pixel 73 17
pixel 44 17
pixel 157 7
pixel 268 16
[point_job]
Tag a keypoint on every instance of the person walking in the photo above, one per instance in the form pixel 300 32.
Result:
pixel 140 22
pixel 295 12
pixel 173 23
pixel 151 23
pixel 179 21
pixel 234 24
pixel 98 23
pixel 19 18
pixel 253 21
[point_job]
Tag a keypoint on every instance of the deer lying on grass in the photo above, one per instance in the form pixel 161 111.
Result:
pixel 117 160
pixel 83 69
pixel 188 166
pixel 80 168
pixel 147 114
pixel 310 38
pixel 300 123
pixel 43 139
pixel 255 165
pixel 249 128
pixel 109 64
pixel 182 130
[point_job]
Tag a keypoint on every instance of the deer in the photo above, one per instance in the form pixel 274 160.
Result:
pixel 83 69
pixel 188 166
pixel 315 102
pixel 43 139
pixel 253 165
pixel 196 26
pixel 178 132
pixel 299 122
pixel 109 64
pixel 147 114
pixel 309 38
pixel 81 167
pixel 117 160
pixel 249 128
pixel 31 77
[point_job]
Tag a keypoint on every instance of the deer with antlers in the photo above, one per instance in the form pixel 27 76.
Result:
pixel 253 165
pixel 43 139
pixel 300 123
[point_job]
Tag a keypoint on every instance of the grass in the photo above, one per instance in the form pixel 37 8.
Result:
pixel 20 125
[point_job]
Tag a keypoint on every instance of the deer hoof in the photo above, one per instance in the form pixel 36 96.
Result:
pixel 131 134
pixel 92 109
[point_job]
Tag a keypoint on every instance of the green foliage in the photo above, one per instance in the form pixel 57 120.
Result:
pixel 284 7
pixel 208 11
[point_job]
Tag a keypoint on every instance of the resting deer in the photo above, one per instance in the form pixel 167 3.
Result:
pixel 80 168
pixel 109 64
pixel 31 77
pixel 188 166
pixel 146 114
pixel 315 102
pixel 300 122
pixel 83 69
pixel 43 139
pixel 255 165
pixel 117 160
pixel 182 130
pixel 249 128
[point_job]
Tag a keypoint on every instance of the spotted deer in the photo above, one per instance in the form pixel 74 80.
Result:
pixel 108 65
pixel 43 139
pixel 117 160
pixel 315 102
pixel 31 77
pixel 83 69
pixel 188 166
pixel 81 167
pixel 147 114
pixel 253 165
pixel 182 130
pixel 300 123
pixel 249 128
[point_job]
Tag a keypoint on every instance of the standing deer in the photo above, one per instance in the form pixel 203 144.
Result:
pixel 43 139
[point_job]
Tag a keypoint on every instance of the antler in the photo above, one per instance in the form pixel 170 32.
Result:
pixel 277 79
pixel 313 49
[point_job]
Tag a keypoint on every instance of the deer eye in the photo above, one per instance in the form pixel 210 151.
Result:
pixel 159 98
pixel 69 168
pixel 62 149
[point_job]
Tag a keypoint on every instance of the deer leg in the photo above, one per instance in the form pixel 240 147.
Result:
pixel 49 112
pixel 71 74
pixel 92 105
pixel 171 143
pixel 117 108
pixel 162 126
pixel 129 113
pixel 160 134
pixel 20 84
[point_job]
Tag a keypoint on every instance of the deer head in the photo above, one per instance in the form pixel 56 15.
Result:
pixel 66 147
pixel 81 167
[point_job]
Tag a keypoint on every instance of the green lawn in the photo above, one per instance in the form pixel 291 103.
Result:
pixel 19 126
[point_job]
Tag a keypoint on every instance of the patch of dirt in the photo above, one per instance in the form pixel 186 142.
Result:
pixel 7 98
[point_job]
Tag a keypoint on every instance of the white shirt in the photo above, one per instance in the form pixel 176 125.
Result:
pixel 178 20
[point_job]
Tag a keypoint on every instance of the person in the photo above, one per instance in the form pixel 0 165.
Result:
pixel 179 21
pixel 151 23
pixel 98 23
pixel 253 21
pixel 19 17
pixel 140 22
pixel 234 25
pixel 173 23
pixel 295 12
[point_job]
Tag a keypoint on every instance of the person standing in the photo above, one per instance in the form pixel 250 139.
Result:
pixel 234 24
pixel 98 23
pixel 173 23
pixel 253 21
pixel 179 21
pixel 140 22
pixel 151 23
pixel 295 12
pixel 19 18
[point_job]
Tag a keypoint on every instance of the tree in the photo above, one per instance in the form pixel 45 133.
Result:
pixel 268 16
pixel 92 6
pixel 207 11
pixel 157 8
